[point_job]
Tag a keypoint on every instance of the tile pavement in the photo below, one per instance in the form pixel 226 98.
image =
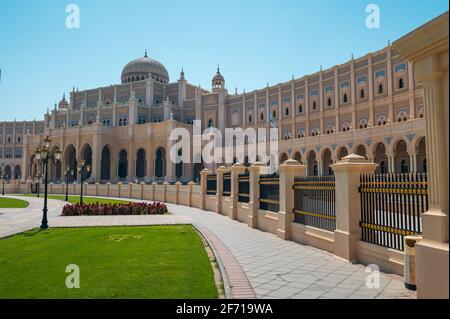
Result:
pixel 257 264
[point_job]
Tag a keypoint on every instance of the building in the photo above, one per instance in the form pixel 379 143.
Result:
pixel 371 106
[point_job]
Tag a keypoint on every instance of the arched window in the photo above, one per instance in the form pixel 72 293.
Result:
pixel 380 88
pixel 345 99
pixel 210 123
pixel 274 114
pixel 401 84
pixel 286 112
pixel 329 101
pixel 362 94
pixel 261 116
pixel 250 118
pixel 300 108
pixel 314 105
pixel 404 167
pixel 383 168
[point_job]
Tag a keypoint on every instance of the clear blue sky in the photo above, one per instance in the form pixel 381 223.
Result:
pixel 254 41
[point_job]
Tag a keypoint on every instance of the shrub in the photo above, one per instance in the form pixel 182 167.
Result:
pixel 155 208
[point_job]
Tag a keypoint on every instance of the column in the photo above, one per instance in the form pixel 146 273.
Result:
pixel 236 170
pixel 348 206
pixel 288 171
pixel 253 204
pixel 219 188
pixel 203 174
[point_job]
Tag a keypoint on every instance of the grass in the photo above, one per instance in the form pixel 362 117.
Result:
pixel 86 200
pixel 114 262
pixel 12 203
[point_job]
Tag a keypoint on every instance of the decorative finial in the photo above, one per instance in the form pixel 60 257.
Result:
pixel 292 76
pixel 218 69
pixel 267 84
pixel 321 67
pixel 352 56
pixel 235 91
pixel 64 95
pixel 145 55
pixel 389 43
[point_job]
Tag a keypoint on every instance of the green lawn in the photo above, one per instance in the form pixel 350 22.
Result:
pixel 86 200
pixel 12 203
pixel 114 262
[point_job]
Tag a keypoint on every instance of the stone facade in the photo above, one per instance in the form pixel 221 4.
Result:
pixel 371 106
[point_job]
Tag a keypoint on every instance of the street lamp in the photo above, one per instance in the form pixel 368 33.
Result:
pixel 3 181
pixel 83 167
pixel 38 185
pixel 68 172
pixel 43 156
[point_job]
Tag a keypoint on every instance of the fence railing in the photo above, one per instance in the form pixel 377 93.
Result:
pixel 244 187
pixel 315 201
pixel 211 184
pixel 391 207
pixel 226 191
pixel 269 192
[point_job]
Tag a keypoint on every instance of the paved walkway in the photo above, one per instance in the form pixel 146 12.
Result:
pixel 258 263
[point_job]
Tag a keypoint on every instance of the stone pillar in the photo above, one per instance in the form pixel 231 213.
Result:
pixel 190 185
pixel 236 170
pixel 203 174
pixel 177 192
pixel 288 171
pixel 348 203
pixel 219 188
pixel 165 191
pixel 253 204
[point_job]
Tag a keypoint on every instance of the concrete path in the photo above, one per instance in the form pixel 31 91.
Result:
pixel 259 263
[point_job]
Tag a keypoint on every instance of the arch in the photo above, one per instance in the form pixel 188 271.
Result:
pixel 198 167
pixel 327 161
pixel 141 163
pixel 17 172
pixel 105 164
pixel 70 160
pixel 7 173
pixel 86 155
pixel 401 157
pixel 381 158
pixel 55 170
pixel 342 152
pixel 179 166
pixel 298 157
pixel 160 163
pixel 283 158
pixel 122 170
pixel 312 164
pixel 361 150
pixel 421 157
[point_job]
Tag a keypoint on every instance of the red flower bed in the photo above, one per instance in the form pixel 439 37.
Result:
pixel 114 209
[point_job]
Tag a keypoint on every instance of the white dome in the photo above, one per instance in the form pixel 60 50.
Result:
pixel 142 68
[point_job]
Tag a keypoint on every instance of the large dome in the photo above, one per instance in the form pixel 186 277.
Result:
pixel 142 68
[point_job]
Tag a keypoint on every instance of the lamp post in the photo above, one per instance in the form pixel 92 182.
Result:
pixel 68 172
pixel 83 167
pixel 38 186
pixel 3 182
pixel 43 156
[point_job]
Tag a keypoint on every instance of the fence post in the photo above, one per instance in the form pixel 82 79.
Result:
pixel 219 188
pixel 165 191
pixel 108 189
pixel 119 189
pixel 177 192
pixel 190 185
pixel 253 204
pixel 142 190
pixel 348 203
pixel 288 171
pixel 203 174
pixel 236 170
pixel 96 188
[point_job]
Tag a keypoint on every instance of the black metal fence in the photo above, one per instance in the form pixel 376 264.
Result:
pixel 315 201
pixel 269 192
pixel 226 184
pixel 211 184
pixel 244 187
pixel 391 207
